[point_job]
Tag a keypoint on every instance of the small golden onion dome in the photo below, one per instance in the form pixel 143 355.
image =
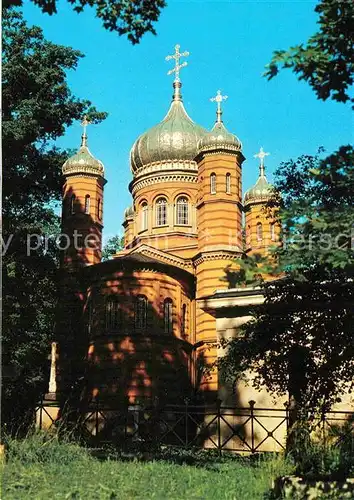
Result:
pixel 219 138
pixel 262 191
pixel 174 139
pixel 129 212
pixel 83 162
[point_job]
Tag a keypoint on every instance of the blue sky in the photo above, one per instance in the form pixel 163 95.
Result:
pixel 229 42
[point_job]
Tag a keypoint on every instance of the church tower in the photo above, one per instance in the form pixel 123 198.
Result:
pixel 219 220
pixel 262 230
pixel 82 214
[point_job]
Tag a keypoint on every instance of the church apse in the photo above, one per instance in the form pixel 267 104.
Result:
pixel 139 318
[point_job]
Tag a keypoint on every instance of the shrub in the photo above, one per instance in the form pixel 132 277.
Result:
pixel 323 456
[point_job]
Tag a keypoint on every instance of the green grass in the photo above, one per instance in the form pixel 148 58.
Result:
pixel 38 468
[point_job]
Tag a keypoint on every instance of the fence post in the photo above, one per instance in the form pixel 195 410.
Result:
pixel 96 423
pixel 218 407
pixel 186 402
pixel 252 403
pixel 287 424
pixel 324 430
pixel 41 413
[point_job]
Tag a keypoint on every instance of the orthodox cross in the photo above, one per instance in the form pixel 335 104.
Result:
pixel 261 155
pixel 177 56
pixel 84 124
pixel 218 99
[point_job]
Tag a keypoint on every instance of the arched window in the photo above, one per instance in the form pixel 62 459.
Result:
pixel 184 320
pixel 259 231
pixel 72 204
pixel 182 211
pixel 113 314
pixel 140 313
pixel 161 212
pixel 87 204
pixel 144 216
pixel 228 183
pixel 99 208
pixel 272 230
pixel 167 316
pixel 212 183
pixel 248 234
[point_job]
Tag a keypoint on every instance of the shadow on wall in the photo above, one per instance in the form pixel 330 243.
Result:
pixel 122 338
pixel 134 354
pixel 71 331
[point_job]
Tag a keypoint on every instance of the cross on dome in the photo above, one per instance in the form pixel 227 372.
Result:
pixel 261 155
pixel 84 124
pixel 177 56
pixel 218 99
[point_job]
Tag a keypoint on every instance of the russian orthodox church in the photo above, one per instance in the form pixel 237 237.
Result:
pixel 146 323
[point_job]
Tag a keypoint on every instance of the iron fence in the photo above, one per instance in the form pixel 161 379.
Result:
pixel 248 429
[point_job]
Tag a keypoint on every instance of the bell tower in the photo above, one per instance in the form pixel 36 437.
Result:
pixel 82 208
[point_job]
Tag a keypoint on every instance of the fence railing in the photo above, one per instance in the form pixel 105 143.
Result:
pixel 248 429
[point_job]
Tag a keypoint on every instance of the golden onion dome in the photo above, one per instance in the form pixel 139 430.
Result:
pixel 83 162
pixel 175 138
pixel 262 191
pixel 219 138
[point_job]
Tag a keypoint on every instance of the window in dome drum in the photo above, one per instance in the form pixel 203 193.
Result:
pixel 182 211
pixel 259 231
pixel 161 212
pixel 144 216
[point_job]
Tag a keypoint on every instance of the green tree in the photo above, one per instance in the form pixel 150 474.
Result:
pixel 133 19
pixel 37 107
pixel 113 245
pixel 326 61
pixel 301 339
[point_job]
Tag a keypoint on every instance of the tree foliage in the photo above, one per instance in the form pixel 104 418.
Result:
pixel 37 107
pixel 113 245
pixel 326 61
pixel 301 339
pixel 133 19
